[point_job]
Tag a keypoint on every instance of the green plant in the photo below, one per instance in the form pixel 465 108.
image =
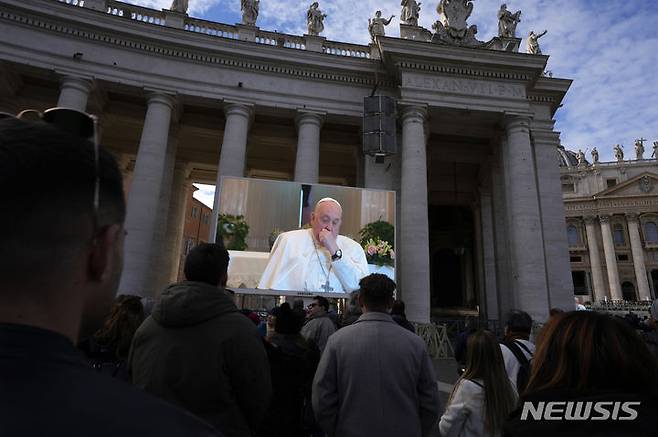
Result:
pixel 378 230
pixel 234 230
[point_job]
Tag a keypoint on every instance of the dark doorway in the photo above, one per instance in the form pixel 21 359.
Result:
pixel 447 275
pixel 579 282
pixel 628 291
pixel 452 259
pixel 654 279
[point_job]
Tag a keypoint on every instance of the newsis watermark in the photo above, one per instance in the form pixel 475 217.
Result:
pixel 579 410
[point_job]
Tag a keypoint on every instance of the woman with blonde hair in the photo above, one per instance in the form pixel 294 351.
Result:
pixel 483 396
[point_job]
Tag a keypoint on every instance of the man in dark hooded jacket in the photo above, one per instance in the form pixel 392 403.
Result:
pixel 196 350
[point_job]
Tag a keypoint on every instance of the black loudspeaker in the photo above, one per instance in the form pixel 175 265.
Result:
pixel 379 123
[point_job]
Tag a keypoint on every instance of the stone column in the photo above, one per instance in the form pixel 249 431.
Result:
pixel 144 197
pixel 638 257
pixel 159 271
pixel 529 279
pixel 599 291
pixel 552 215
pixel 233 155
pixel 74 93
pixel 176 221
pixel 10 85
pixel 307 162
pixel 414 262
pixel 487 232
pixel 610 258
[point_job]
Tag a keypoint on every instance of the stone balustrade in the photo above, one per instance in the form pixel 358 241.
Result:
pixel 280 40
pixel 136 13
pixel 343 49
pixel 220 30
pixel 78 3
pixel 211 28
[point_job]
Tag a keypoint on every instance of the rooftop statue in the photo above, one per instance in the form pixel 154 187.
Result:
pixel 595 156
pixel 179 6
pixel 410 12
pixel 376 25
pixel 507 22
pixel 451 28
pixel 639 148
pixel 315 19
pixel 655 150
pixel 619 152
pixel 249 10
pixel 580 157
pixel 533 42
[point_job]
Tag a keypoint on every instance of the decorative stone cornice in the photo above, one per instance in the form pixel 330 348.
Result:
pixel 199 55
pixel 618 205
pixel 462 71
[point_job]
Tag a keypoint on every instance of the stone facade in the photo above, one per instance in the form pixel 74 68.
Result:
pixel 480 217
pixel 195 230
pixel 612 227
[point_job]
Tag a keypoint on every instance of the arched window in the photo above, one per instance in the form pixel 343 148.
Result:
pixel 572 236
pixel 618 235
pixel 651 232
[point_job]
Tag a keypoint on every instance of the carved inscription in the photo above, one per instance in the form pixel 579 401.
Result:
pixel 468 87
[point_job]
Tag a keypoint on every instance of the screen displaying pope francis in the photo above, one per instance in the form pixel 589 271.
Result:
pixel 289 236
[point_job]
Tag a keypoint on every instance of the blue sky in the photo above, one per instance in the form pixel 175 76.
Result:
pixel 608 47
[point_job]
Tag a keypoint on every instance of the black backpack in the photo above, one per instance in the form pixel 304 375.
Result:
pixel 524 370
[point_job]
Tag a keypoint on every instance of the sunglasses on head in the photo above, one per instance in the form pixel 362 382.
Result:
pixel 77 123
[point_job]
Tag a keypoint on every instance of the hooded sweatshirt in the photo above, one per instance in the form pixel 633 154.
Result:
pixel 196 350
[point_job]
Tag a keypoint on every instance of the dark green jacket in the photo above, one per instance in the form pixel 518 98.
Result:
pixel 197 351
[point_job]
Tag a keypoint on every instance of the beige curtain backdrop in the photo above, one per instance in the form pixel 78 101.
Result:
pixel 377 205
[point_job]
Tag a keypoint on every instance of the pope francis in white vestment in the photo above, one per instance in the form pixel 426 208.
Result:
pixel 316 259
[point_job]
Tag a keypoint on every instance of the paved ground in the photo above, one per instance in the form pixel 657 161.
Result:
pixel 446 373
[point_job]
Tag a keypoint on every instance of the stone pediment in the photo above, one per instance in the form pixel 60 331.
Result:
pixel 641 185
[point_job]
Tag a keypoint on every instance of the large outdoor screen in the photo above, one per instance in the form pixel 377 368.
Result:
pixel 257 215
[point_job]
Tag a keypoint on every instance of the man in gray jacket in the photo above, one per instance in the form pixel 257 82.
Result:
pixel 199 352
pixel 318 326
pixel 376 378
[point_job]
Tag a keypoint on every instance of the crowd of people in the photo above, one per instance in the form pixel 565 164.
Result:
pixel 195 365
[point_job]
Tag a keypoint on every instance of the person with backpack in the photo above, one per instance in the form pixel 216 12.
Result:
pixel 517 348
pixel 484 396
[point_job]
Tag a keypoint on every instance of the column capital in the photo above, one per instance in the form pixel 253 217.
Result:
pixel 545 137
pixel 517 122
pixel 162 97
pixel 185 167
pixel 604 219
pixel 305 116
pixel 590 219
pixel 632 217
pixel 82 84
pixel 414 112
pixel 238 108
